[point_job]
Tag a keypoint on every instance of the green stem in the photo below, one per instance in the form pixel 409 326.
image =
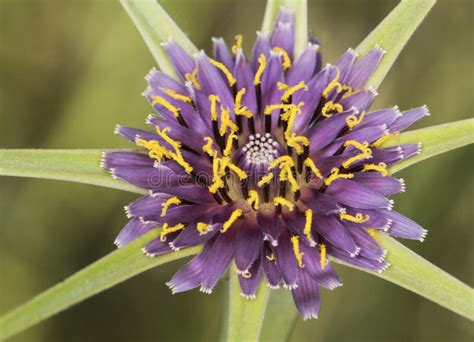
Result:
pixel 111 270
pixel 245 317
pixel 280 317
pixel 81 166
pixel 393 33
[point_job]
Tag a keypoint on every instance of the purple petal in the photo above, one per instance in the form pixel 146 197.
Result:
pixel 404 227
pixel 387 185
pixel 357 195
pixel 283 36
pixel 335 233
pixel 409 118
pixel 365 67
pixel 271 270
pixel 304 67
pixel 306 295
pixel 261 46
pixel 380 117
pixel 344 64
pixel 190 236
pixel 269 224
pixel 132 230
pixel 362 100
pixel 111 160
pixel 249 285
pixel 193 193
pixel 327 276
pixel 369 248
pixel 286 259
pixel 222 53
pixel 157 247
pixel 244 77
pixel 159 80
pixel 182 62
pixel 249 243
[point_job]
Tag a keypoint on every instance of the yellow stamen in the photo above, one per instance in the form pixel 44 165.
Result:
pixel 349 90
pixel 203 228
pixel 239 39
pixel 270 108
pixel 265 180
pixel 366 152
pixel 271 257
pixel 170 201
pixel 295 240
pixel 262 60
pixel 284 202
pixel 307 227
pixel 238 171
pixel 238 108
pixel 336 175
pixel 193 78
pixel 310 164
pixel 358 218
pixel 155 150
pixel 230 78
pixel 323 260
pixel 290 90
pixel 162 101
pixel 226 122
pixel 353 120
pixel 208 147
pixel 178 96
pixel 282 162
pixel 176 156
pixel 286 63
pixel 296 142
pixel 253 199
pixel 287 175
pixel 228 145
pixel 214 99
pixel 381 167
pixel 332 84
pixel 165 230
pixel 384 138
pixel 330 106
pixel 231 220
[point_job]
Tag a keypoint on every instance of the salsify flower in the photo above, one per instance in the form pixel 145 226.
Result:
pixel 273 161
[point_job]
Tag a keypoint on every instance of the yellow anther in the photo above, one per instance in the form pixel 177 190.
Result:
pixel 372 232
pixel 353 120
pixel 162 101
pixel 238 171
pixel 366 152
pixel 203 228
pixel 330 106
pixel 295 240
pixel 307 227
pixel 290 90
pixel 230 78
pixel 176 155
pixel 193 78
pixel 214 99
pixel 286 63
pixel 262 60
pixel 271 257
pixel 310 164
pixel 323 256
pixel 177 96
pixel 265 180
pixel 384 138
pixel 285 107
pixel 358 218
pixel 208 147
pixel 336 175
pixel 231 220
pixel 238 108
pixel 380 167
pixel 296 142
pixel 287 175
pixel 282 162
pixel 239 39
pixel 358 145
pixel 284 202
pixel 217 181
pixel 349 90
pixel 217 184
pixel 253 199
pixel 170 201
pixel 228 145
pixel 165 230
pixel 333 84
pixel 155 150
pixel 226 122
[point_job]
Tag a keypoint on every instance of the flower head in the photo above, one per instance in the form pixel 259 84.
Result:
pixel 274 162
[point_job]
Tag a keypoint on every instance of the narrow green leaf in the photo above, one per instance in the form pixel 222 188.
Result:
pixel 300 8
pixel 155 27
pixel 418 275
pixel 434 140
pixel 81 166
pixel 393 33
pixel 111 270
pixel 245 317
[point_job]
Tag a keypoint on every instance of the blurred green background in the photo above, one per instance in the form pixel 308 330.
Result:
pixel 72 69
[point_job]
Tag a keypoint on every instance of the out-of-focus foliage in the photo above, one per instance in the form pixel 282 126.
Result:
pixel 71 70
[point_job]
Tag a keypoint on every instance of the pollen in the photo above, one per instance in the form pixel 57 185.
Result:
pixel 380 167
pixel 286 63
pixel 214 99
pixel 323 256
pixel 309 163
pixel 265 180
pixel 253 199
pixel 203 228
pixel 166 230
pixel 289 91
pixel 239 39
pixel 170 201
pixel 358 218
pixel 230 77
pixel 284 202
pixel 329 107
pixel 308 224
pixel 353 120
pixel 192 77
pixel 262 60
pixel 295 240
pixel 336 175
pixel 177 96
pixel 162 101
pixel 231 220
pixel 333 84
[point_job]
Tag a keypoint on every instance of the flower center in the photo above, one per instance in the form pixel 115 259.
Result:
pixel 260 149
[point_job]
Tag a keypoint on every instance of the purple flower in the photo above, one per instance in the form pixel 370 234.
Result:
pixel 274 162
